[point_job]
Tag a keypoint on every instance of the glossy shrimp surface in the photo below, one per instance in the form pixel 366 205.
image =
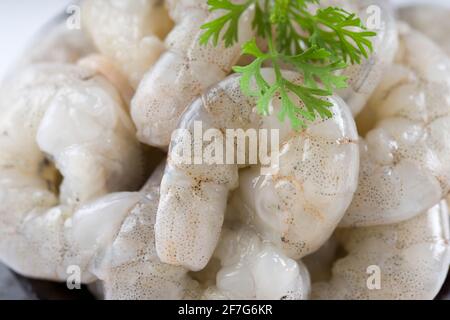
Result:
pixel 130 268
pixel 125 260
pixel 430 20
pixel 405 159
pixel 296 208
pixel 246 261
pixel 407 260
pixel 131 33
pixel 183 72
pixel 66 139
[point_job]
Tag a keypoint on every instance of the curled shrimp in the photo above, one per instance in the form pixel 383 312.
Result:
pixel 431 20
pixel 183 72
pixel 245 263
pixel 129 32
pixel 297 208
pixel 64 134
pixel 407 260
pixel 405 159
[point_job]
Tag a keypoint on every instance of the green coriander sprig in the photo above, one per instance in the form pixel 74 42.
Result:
pixel 316 45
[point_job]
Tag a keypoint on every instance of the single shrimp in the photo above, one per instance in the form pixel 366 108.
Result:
pixel 431 20
pixel 246 261
pixel 64 133
pixel 129 32
pixel 183 72
pixel 407 260
pixel 405 159
pixel 297 208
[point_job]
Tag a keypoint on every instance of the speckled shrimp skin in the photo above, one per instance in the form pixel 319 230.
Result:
pixel 297 208
pixel 412 257
pixel 365 77
pixel 431 20
pixel 129 32
pixel 183 72
pixel 56 116
pixel 405 159
pixel 125 255
pixel 130 268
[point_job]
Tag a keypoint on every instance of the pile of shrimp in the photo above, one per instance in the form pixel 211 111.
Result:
pixel 91 125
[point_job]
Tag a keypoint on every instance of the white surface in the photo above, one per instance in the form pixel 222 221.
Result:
pixel 19 21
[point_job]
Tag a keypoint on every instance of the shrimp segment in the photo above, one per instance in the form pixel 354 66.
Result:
pixel 405 159
pixel 124 256
pixel 431 20
pixel 246 262
pixel 129 32
pixel 377 16
pixel 183 72
pixel 72 117
pixel 297 208
pixel 412 259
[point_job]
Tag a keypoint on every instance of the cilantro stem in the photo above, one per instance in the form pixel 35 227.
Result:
pixel 316 45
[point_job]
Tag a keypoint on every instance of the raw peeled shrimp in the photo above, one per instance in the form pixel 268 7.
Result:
pixel 124 256
pixel 246 262
pixel 74 118
pixel 109 237
pixel 131 269
pixel 104 66
pixel 183 72
pixel 365 77
pixel 410 258
pixel 405 159
pixel 297 208
pixel 431 20
pixel 129 32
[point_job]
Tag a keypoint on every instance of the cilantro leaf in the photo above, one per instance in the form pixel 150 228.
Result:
pixel 316 45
